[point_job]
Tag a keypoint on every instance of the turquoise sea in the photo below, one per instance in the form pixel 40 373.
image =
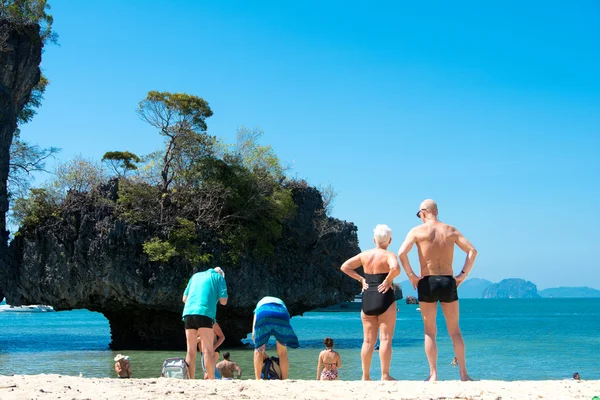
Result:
pixel 506 339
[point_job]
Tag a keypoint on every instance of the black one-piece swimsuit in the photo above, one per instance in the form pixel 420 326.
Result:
pixel 373 302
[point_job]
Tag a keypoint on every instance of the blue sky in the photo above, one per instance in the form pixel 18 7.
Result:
pixel 492 109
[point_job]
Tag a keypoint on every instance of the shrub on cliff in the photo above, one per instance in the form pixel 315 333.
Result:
pixel 195 184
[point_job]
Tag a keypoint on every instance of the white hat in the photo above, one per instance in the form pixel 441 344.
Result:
pixel 120 357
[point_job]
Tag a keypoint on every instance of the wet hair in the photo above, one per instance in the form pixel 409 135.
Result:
pixel 328 342
pixel 226 355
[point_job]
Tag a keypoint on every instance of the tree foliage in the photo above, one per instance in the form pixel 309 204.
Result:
pixel 178 117
pixel 79 174
pixel 26 159
pixel 23 12
pixel 121 162
pixel 31 211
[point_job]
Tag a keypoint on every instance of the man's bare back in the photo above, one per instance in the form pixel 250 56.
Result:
pixel 435 242
pixel 227 368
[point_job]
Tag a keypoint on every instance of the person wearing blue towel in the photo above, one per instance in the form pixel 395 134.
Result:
pixel 271 318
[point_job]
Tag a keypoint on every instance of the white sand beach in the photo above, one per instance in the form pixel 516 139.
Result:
pixel 69 387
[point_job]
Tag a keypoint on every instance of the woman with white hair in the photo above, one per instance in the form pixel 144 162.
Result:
pixel 378 313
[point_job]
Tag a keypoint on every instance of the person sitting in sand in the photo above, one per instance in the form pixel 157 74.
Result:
pixel 123 366
pixel 329 361
pixel 271 318
pixel 227 367
pixel 378 301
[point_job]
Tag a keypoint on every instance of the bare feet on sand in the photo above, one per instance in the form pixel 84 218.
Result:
pixel 387 378
pixel 432 377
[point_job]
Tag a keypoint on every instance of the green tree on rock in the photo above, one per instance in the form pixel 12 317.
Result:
pixel 178 117
pixel 121 162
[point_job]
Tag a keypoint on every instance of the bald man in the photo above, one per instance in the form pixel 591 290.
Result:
pixel 436 281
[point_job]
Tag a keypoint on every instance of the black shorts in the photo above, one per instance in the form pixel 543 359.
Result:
pixel 436 288
pixel 197 321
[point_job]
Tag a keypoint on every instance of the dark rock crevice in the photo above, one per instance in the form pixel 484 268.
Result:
pixel 88 258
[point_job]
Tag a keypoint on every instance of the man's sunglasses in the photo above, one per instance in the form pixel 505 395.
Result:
pixel 419 212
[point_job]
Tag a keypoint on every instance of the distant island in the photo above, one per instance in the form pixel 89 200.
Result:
pixel 513 288
pixel 570 292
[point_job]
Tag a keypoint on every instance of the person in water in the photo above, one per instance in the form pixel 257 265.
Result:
pixel 228 367
pixel 203 292
pixel 122 366
pixel 436 283
pixel 576 376
pixel 454 361
pixel 378 302
pixel 271 318
pixel 329 362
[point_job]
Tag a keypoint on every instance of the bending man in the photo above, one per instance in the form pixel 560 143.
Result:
pixel 271 318
pixel 201 295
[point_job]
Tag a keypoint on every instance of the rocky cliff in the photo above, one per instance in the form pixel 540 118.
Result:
pixel 88 258
pixel 511 289
pixel 20 57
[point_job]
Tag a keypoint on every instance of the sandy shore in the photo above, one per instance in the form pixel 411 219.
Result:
pixel 68 387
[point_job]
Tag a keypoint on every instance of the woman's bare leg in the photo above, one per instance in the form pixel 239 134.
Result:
pixel 370 338
pixel 387 324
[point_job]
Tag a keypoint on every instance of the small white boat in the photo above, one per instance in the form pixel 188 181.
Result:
pixel 32 309
pixel 418 309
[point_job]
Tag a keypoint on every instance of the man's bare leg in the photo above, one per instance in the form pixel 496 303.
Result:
pixel 207 337
pixel 387 323
pixel 428 312
pixel 191 336
pixel 370 337
pixel 259 359
pixel 284 363
pixel 451 313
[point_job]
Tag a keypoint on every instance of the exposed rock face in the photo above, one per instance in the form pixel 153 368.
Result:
pixel 87 258
pixel 511 289
pixel 412 300
pixel 20 57
pixel 1 294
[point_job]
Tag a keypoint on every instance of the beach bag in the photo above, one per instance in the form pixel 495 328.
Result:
pixel 271 369
pixel 175 368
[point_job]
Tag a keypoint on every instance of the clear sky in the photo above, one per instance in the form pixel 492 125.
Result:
pixel 490 108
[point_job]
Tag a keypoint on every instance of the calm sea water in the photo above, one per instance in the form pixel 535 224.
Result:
pixel 506 339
